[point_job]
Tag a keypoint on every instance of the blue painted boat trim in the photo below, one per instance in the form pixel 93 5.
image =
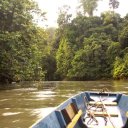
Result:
pixel 56 119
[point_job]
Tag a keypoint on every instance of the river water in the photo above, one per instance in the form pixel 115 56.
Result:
pixel 21 107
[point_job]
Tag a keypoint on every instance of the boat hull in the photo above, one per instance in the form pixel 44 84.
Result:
pixel 99 109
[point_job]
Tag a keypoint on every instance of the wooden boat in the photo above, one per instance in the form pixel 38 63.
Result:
pixel 89 110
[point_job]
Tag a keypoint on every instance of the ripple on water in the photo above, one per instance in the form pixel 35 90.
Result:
pixel 25 89
pixel 42 112
pixel 11 113
pixel 3 100
pixel 44 94
pixel 7 108
pixel 15 121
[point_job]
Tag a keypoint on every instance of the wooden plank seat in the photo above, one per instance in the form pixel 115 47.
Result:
pixel 102 127
pixel 99 114
pixel 107 103
pixel 75 119
pixel 71 115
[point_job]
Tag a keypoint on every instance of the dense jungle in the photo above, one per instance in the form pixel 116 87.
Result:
pixel 84 47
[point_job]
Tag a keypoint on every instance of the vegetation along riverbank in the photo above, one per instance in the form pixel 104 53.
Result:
pixel 84 47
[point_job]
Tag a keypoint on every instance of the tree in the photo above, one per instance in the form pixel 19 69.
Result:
pixel 63 17
pixel 48 63
pixel 63 58
pixel 121 68
pixel 113 4
pixel 113 51
pixel 91 62
pixel 81 27
pixel 111 24
pixel 111 18
pixel 20 39
pixel 89 6
pixel 123 37
pixel 16 14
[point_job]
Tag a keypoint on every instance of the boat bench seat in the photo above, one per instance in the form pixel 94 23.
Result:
pixel 75 119
pixel 99 114
pixel 71 115
pixel 107 103
pixel 102 127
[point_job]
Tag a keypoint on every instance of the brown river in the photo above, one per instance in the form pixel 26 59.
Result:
pixel 20 107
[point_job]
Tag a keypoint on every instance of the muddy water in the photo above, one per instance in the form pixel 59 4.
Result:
pixel 21 107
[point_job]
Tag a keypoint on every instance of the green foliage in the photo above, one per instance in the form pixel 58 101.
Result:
pixel 20 54
pixel 83 48
pixel 89 6
pixel 110 17
pixel 21 41
pixel 64 57
pixel 8 58
pixel 121 68
pixel 124 37
pixel 91 62
pixel 113 51
pixel 48 66
pixel 63 17
pixel 95 43
pixel 17 14
pixel 82 27
pixel 113 4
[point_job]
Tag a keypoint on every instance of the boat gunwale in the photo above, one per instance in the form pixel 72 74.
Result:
pixel 69 100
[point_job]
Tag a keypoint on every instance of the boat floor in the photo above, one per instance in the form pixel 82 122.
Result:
pixel 103 98
pixel 112 121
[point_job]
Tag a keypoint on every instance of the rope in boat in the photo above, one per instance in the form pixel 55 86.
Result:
pixel 109 117
pixel 90 114
pixel 104 90
pixel 103 109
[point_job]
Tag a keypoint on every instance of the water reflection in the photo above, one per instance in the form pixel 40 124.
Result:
pixel 10 113
pixel 23 106
pixel 42 112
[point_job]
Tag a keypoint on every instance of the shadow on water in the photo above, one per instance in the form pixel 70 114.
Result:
pixel 26 102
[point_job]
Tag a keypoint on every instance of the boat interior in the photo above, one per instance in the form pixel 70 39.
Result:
pixel 94 110
pixel 89 110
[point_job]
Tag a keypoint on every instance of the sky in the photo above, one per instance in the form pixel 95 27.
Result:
pixel 52 6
